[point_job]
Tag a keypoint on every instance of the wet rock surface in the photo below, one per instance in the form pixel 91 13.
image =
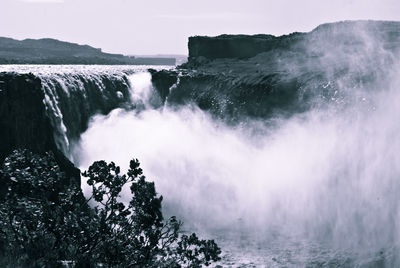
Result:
pixel 47 113
pixel 24 122
pixel 283 75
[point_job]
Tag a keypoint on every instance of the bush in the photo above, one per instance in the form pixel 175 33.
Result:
pixel 44 220
pixel 40 215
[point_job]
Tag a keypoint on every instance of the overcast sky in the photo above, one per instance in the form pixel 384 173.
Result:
pixel 163 26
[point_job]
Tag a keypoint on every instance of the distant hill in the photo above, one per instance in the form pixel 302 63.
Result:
pixel 52 51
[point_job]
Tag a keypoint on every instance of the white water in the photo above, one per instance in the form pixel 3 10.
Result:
pixel 70 79
pixel 318 187
pixel 142 94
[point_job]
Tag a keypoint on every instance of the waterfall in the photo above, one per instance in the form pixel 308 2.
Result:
pixel 320 185
pixel 73 94
pixel 143 95
pixel 325 180
pixel 71 99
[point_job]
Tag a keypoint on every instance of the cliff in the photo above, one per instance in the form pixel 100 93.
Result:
pixel 237 46
pixel 262 75
pixel 47 112
pixel 24 122
pixel 248 46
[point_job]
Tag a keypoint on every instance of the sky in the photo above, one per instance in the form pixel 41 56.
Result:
pixel 143 27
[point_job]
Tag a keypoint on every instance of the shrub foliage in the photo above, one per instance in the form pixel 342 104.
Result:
pixel 45 221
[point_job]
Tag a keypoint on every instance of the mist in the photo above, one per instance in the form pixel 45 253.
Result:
pixel 327 176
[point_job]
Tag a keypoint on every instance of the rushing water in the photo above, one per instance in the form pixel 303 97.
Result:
pixel 319 188
pixel 74 93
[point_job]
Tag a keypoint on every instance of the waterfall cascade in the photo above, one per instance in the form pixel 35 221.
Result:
pixel 322 185
pixel 72 94
pixel 289 158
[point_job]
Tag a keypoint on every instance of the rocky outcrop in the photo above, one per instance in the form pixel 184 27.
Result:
pixel 47 112
pixel 24 122
pixel 237 46
pixel 162 81
pixel 260 76
pixel 204 48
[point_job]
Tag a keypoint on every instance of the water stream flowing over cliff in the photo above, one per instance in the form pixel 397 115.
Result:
pixel 317 188
pixel 289 158
pixel 292 157
pixel 72 94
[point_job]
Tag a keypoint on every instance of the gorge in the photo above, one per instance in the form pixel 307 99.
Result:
pixel 287 153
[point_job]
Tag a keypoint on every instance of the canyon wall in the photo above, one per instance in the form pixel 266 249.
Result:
pixel 262 75
pixel 48 112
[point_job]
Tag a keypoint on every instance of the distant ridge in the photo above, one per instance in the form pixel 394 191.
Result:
pixel 53 51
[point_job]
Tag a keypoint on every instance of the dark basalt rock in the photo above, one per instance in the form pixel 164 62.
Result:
pixel 203 48
pixel 46 114
pixel 24 122
pixel 261 76
pixel 163 80
pixel 237 46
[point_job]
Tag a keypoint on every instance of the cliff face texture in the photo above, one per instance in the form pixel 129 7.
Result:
pixel 47 112
pixel 262 76
pixel 237 46
pixel 248 46
pixel 24 122
pixel 232 77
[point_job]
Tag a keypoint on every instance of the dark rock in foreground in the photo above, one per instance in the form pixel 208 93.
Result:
pixel 24 122
pixel 41 114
